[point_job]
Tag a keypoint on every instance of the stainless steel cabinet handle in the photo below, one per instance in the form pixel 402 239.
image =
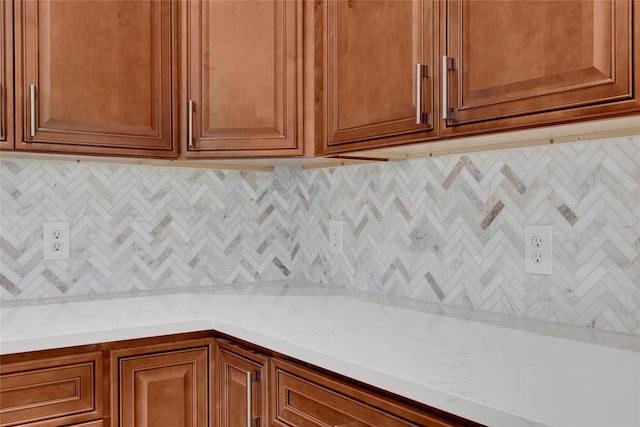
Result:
pixel 418 94
pixel 251 376
pixel 32 96
pixel 445 101
pixel 446 66
pixel 190 124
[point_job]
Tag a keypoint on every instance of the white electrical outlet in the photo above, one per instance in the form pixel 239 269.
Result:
pixel 56 240
pixel 335 237
pixel 538 249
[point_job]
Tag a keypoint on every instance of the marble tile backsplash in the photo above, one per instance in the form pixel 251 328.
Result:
pixel 140 228
pixel 451 230
pixel 448 230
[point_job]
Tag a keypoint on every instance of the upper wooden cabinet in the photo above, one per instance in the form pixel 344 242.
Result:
pixel 6 75
pixel 281 78
pixel 504 64
pixel 519 63
pixel 379 58
pixel 245 85
pixel 95 77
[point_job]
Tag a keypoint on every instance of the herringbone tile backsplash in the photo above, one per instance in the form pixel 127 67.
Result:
pixel 447 230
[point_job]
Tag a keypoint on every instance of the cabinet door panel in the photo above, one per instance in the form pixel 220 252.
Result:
pixel 303 403
pixel 243 76
pixel 164 389
pixel 6 76
pixel 101 72
pixel 372 49
pixel 97 423
pixel 234 365
pixel 63 389
pixel 514 58
pixel 306 398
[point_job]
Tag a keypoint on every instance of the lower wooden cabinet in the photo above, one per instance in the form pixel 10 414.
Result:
pixel 52 391
pixel 304 397
pixel 242 391
pixel 192 380
pixel 162 385
pixel 98 423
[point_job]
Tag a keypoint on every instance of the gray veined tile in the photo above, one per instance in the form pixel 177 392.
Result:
pixel 402 209
pixel 56 281
pixel 513 179
pixel 453 175
pixel 568 214
pixel 493 213
pixel 434 286
pixel 285 271
pixel 9 286
pixel 161 226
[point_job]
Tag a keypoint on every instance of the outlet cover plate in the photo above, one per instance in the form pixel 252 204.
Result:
pixel 538 254
pixel 57 240
pixel 335 237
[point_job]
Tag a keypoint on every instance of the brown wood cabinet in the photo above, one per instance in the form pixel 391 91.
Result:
pixel 95 77
pixel 162 384
pixel 245 78
pixel 97 423
pixel 242 390
pixel 52 391
pixel 379 64
pixel 528 63
pixel 271 78
pixel 6 75
pixel 197 379
pixel 307 398
pixel 499 65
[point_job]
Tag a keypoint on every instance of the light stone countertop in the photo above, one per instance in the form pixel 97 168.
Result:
pixel 494 369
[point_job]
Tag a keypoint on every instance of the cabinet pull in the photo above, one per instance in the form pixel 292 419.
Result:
pixel 447 64
pixel 32 96
pixel 418 94
pixel 190 124
pixel 251 377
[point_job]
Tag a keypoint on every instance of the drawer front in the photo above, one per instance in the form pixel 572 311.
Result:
pixel 67 389
pixel 97 423
pixel 305 404
pixel 305 398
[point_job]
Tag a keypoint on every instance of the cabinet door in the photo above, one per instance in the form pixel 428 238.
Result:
pixel 94 76
pixel 305 398
pixel 97 423
pixel 244 83
pixel 376 93
pixel 153 386
pixel 6 75
pixel 52 391
pixel 242 387
pixel 536 62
